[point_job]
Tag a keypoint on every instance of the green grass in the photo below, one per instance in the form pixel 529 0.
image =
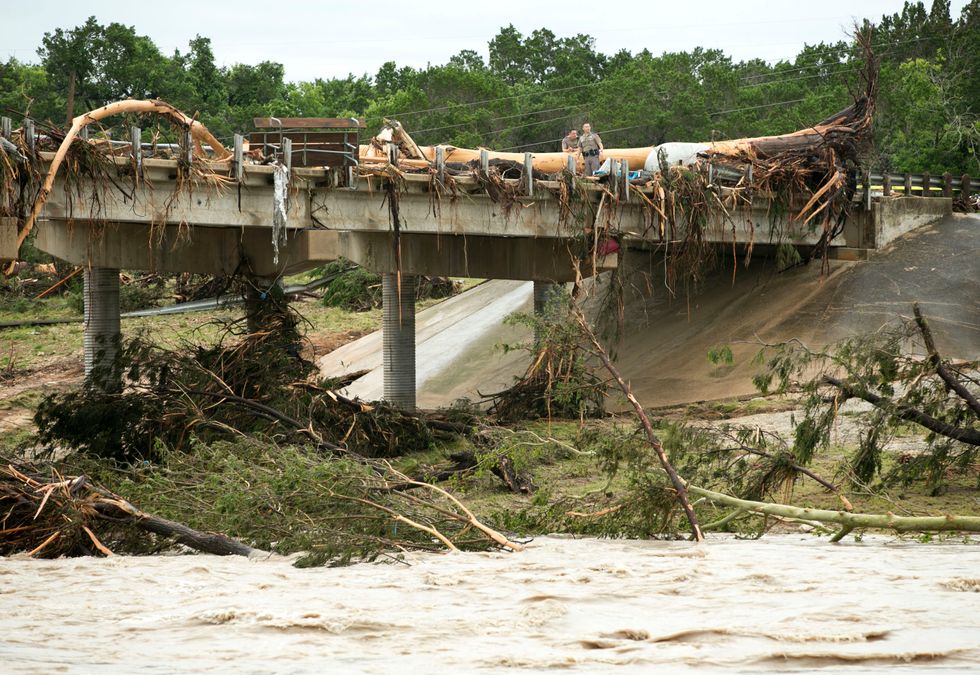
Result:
pixel 575 482
pixel 32 347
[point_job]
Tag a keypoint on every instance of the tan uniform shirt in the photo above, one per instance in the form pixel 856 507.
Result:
pixel 589 142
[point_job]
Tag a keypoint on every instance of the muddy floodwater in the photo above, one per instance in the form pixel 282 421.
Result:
pixel 787 603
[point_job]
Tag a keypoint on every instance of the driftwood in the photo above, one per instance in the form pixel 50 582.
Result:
pixel 503 468
pixel 53 518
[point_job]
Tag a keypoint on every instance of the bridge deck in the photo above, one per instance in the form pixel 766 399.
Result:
pixel 455 226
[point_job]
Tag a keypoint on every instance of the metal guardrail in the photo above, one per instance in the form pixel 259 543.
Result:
pixel 925 184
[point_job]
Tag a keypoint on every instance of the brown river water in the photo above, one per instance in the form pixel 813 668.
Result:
pixel 786 603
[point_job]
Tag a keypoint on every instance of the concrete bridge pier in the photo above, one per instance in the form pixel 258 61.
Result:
pixel 544 295
pixel 398 339
pixel 102 337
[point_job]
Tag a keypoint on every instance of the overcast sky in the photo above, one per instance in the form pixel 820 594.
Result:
pixel 327 39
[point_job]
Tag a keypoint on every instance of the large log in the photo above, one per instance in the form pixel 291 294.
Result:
pixel 421 156
pixel 207 542
pixel 56 518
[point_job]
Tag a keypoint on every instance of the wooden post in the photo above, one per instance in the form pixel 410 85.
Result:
pixel 29 133
pixel 886 185
pixel 6 127
pixel 484 161
pixel 188 147
pixel 908 185
pixel 239 158
pixel 136 147
pixel 867 189
pixel 926 185
pixel 393 154
pixel 529 173
pixel 441 163
pixel 948 185
pixel 965 186
pixel 287 154
pixel 625 164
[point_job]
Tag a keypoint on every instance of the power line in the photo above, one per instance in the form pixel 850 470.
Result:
pixel 766 105
pixel 493 100
pixel 638 126
pixel 663 93
pixel 555 140
pixel 495 119
pixel 829 50
pixel 778 73
pixel 799 79
pixel 573 106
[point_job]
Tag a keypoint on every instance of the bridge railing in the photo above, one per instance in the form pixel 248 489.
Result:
pixel 920 184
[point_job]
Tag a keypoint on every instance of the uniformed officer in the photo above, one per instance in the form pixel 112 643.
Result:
pixel 590 147
pixel 570 142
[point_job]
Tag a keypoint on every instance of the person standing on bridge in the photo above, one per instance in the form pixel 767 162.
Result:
pixel 570 142
pixel 590 148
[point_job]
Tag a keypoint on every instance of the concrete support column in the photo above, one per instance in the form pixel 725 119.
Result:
pixel 101 340
pixel 398 338
pixel 544 293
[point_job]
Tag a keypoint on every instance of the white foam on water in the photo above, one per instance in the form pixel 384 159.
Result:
pixel 786 603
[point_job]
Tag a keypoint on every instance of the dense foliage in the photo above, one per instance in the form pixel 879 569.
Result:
pixel 536 86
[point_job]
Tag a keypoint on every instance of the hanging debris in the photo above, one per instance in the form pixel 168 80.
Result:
pixel 199 132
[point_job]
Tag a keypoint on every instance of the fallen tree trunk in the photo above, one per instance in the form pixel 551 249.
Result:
pixel 59 518
pixel 848 521
pixel 936 361
pixel 207 542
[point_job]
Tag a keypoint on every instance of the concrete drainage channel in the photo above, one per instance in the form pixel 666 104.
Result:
pixel 458 335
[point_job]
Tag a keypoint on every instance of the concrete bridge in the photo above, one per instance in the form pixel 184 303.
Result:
pixel 232 217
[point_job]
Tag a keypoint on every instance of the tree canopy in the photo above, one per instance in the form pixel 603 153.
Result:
pixel 535 87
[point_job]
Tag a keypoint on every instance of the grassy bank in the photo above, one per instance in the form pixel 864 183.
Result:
pixel 277 491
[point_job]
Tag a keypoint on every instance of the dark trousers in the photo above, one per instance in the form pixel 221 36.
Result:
pixel 591 164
